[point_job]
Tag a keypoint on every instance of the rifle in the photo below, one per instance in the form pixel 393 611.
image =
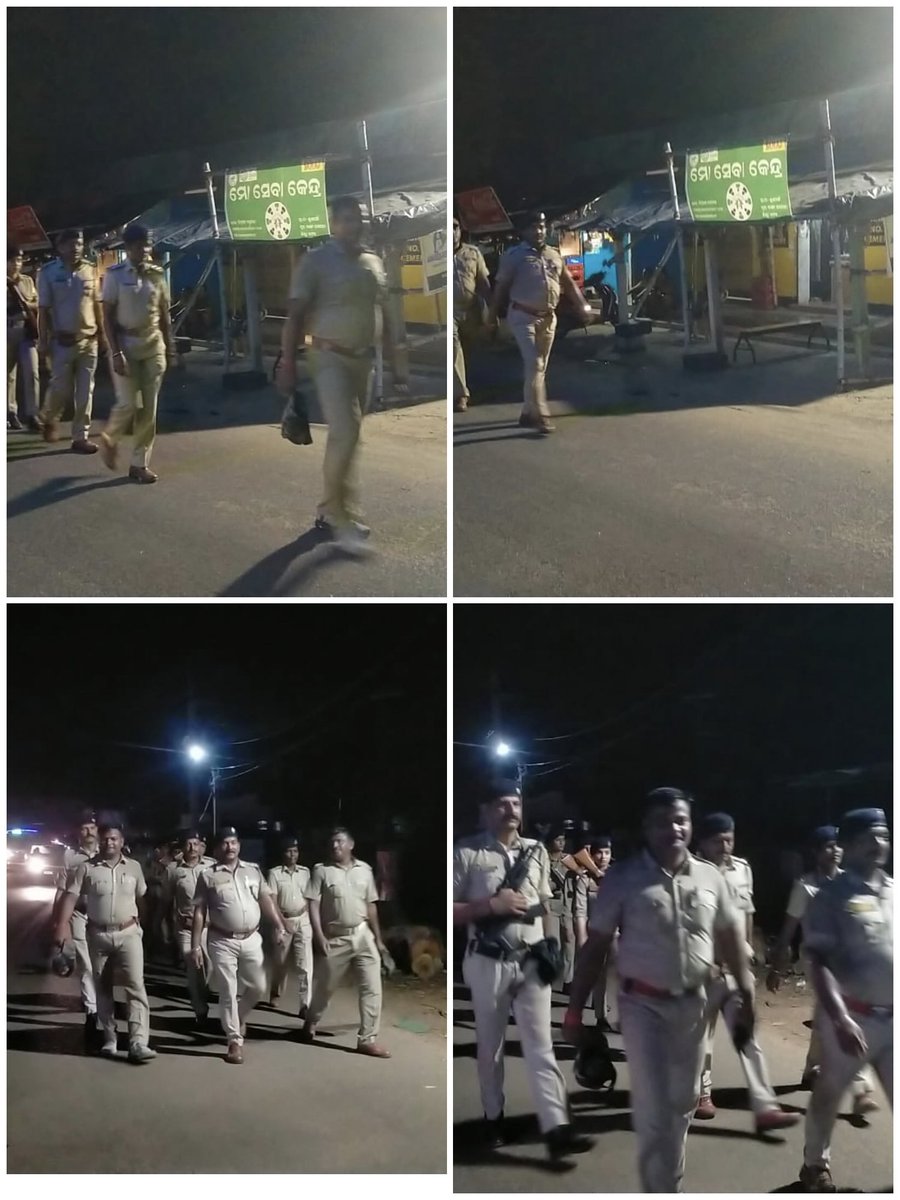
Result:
pixel 489 930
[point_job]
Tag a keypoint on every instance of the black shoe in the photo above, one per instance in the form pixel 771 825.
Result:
pixel 93 1034
pixel 563 1141
pixel 494 1133
pixel 35 425
pixel 304 1012
pixel 13 422
pixel 604 1026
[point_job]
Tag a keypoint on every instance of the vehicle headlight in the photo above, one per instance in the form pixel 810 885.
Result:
pixel 34 866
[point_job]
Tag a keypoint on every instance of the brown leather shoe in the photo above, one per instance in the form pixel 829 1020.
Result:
pixel 235 1054
pixel 705 1110
pixel 83 446
pixel 50 431
pixel 109 451
pixel 142 475
pixel 775 1118
pixel 373 1050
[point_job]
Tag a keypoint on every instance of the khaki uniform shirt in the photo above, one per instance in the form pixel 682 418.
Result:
pixel 27 289
pixel 534 276
pixel 339 293
pixel 231 895
pixel 290 885
pixel 181 887
pixel 803 891
pixel 70 296
pixel 72 860
pixel 110 891
pixel 469 271
pixel 139 296
pixel 851 924
pixel 666 922
pixel 479 867
pixel 344 895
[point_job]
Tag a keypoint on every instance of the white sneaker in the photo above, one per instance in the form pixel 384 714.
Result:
pixel 140 1054
pixel 865 1103
pixel 110 1049
pixel 327 526
pixel 349 540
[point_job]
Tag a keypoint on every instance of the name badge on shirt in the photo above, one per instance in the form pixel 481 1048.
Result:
pixel 862 904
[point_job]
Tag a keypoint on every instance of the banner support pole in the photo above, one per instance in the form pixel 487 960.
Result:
pixel 838 290
pixel 366 162
pixel 679 233
pixel 220 263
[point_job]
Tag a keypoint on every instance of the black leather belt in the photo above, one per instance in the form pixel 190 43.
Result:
pixel 229 933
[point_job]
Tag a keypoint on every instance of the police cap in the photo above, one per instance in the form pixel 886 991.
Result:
pixel 227 831
pixel 860 820
pixel 135 233
pixel 715 823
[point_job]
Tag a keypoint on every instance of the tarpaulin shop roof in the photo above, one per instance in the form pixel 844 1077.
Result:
pixel 185 223
pixel 641 204
pixel 861 122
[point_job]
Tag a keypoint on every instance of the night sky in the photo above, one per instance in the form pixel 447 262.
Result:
pixel 527 79
pixel 342 709
pixel 731 702
pixel 90 85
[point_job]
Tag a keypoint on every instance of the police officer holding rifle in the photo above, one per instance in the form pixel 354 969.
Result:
pixel 501 892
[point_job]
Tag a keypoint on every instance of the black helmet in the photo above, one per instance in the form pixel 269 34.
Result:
pixel 593 1066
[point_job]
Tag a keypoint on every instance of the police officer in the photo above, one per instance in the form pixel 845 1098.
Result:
pixel 470 284
pixel 346 931
pixel 21 342
pixel 671 909
pixel 587 886
pixel 849 932
pixel 289 884
pixel 500 970
pixel 334 294
pixel 559 915
pixel 182 875
pixel 826 854
pixel 233 895
pixel 531 277
pixel 113 888
pixel 715 836
pixel 139 331
pixel 69 320
pixel 87 847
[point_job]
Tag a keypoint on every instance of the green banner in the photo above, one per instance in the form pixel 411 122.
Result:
pixel 747 183
pixel 283 204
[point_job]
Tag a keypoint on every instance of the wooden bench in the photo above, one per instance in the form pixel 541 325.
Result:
pixel 746 335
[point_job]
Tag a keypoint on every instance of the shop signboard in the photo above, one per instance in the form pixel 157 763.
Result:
pixel 480 211
pixel 744 183
pixel 24 230
pixel 280 204
pixel 433 250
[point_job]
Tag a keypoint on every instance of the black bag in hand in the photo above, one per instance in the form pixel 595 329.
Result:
pixel 295 421
pixel 295 418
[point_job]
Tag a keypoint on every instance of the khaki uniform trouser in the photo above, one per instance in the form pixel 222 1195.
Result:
pixel 22 356
pixel 197 978
pixel 137 394
pixel 836 1076
pixel 72 374
pixel 238 966
pixel 534 337
pixel 721 997
pixel 862 1081
pixel 603 996
pixel 664 1043
pixel 359 951
pixel 496 987
pixel 460 386
pixel 300 945
pixel 122 951
pixel 342 386
pixel 83 968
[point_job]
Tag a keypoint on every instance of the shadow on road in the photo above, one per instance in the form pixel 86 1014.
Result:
pixel 55 490
pixel 279 574
pixel 12 455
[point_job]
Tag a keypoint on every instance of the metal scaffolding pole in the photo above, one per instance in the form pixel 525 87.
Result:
pixel 838 289
pixel 378 398
pixel 679 233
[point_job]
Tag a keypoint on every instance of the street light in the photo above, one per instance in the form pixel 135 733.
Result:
pixel 196 753
pixel 502 749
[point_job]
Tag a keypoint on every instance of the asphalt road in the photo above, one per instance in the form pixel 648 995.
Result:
pixel 723 1155
pixel 232 514
pixel 290 1108
pixel 757 481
